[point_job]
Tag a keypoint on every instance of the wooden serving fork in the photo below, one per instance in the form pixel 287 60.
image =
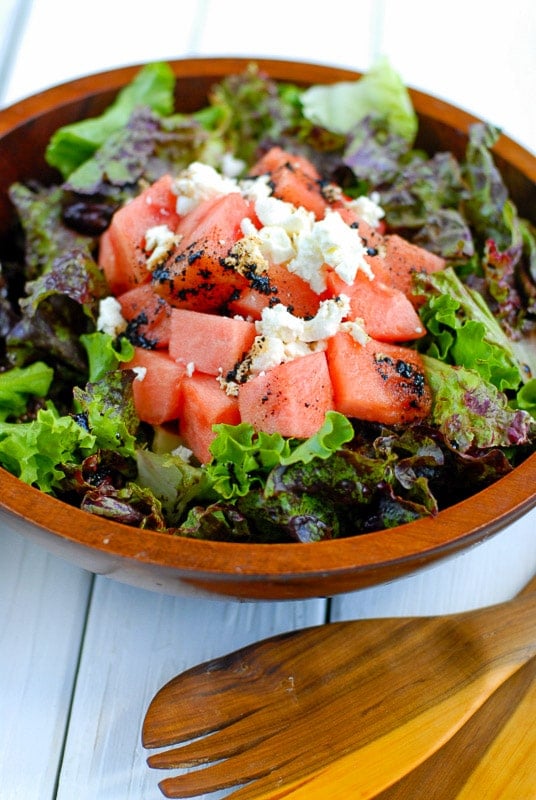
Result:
pixel 356 704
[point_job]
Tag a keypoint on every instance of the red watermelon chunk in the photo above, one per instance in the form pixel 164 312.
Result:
pixel 291 399
pixel 214 344
pixel 198 275
pixel 386 312
pixel 378 381
pixel 122 253
pixel 204 404
pixel 157 392
pixel 148 316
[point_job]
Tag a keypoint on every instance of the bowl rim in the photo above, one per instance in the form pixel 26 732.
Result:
pixel 423 538
pixel 478 516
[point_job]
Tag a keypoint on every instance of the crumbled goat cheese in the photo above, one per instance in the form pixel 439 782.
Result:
pixel 342 247
pixel 190 368
pixel 110 319
pixel 283 337
pixel 231 166
pixel 294 220
pixel 368 209
pixel 140 372
pixel 200 182
pixel 255 188
pixel 273 241
pixel 182 452
pixel 356 329
pixel 266 352
pixel 160 242
pixel 292 235
pixel 308 261
pixel 327 320
pixel 278 323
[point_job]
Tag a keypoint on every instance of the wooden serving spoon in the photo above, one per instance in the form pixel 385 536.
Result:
pixel 373 697
pixel 493 755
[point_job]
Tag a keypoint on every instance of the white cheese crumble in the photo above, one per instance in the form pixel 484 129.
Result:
pixel 200 182
pixel 255 188
pixel 160 242
pixel 308 246
pixel 341 246
pixel 356 329
pixel 182 452
pixel 293 219
pixel 368 209
pixel 231 166
pixel 283 337
pixel 273 242
pixel 327 320
pixel 110 319
pixel 140 372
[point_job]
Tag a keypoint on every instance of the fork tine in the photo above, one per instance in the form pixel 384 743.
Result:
pixel 213 747
pixel 287 749
pixel 244 769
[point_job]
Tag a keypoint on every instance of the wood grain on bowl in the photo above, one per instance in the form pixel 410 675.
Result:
pixel 252 571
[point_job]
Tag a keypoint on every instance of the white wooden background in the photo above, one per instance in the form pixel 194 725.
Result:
pixel 80 657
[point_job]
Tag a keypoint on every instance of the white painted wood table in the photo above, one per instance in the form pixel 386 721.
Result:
pixel 81 656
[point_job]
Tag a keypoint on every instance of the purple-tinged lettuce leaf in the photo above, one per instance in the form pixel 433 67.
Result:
pixel 74 275
pixel 484 206
pixel 73 144
pixel 290 516
pixel 447 234
pixel 61 305
pixel 121 159
pixel 248 108
pixel 46 237
pixel 129 505
pixel 218 522
pixel 471 413
pixel 420 187
pixel 373 153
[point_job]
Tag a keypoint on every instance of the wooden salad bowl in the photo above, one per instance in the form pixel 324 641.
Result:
pixel 175 565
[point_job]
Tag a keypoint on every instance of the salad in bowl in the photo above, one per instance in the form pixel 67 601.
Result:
pixel 276 318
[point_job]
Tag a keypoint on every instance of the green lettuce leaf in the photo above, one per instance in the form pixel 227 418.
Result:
pixel 172 481
pixel 243 458
pixel 341 106
pixel 73 144
pixel 105 353
pixel 463 331
pixel 19 384
pixel 35 451
pixel 107 407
